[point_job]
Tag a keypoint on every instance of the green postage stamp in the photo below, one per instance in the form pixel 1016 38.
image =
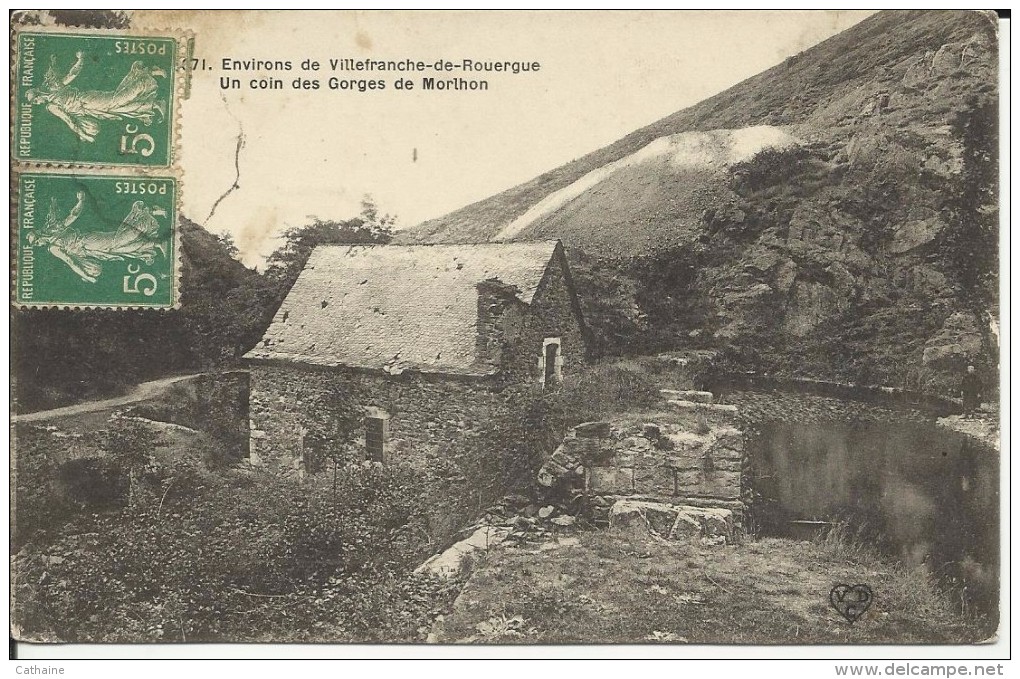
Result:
pixel 96 241
pixel 94 99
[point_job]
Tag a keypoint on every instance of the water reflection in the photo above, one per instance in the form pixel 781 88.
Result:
pixel 923 494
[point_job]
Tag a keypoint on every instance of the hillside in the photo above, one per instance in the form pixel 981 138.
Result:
pixel 834 216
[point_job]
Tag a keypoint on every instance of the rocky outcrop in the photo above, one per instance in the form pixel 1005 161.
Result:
pixel 984 427
pixel 957 343
pixel 838 257
pixel 457 558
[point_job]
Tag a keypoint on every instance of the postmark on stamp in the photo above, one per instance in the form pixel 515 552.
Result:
pixel 94 99
pixel 96 240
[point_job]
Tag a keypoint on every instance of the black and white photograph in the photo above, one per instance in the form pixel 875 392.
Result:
pixel 494 330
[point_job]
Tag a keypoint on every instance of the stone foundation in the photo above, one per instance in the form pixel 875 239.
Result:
pixel 690 453
pixel 708 526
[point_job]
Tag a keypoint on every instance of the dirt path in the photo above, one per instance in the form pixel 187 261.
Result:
pixel 141 392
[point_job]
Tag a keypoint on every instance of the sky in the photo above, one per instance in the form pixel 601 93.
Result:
pixel 421 154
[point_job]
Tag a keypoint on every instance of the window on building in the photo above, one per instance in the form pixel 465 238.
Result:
pixel 376 435
pixel 550 363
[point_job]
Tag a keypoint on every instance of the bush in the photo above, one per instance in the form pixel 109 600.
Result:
pixel 250 558
pixel 600 390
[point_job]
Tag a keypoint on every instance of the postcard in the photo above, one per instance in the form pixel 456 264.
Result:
pixel 506 328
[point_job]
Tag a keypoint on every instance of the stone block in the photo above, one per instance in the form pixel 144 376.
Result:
pixel 576 447
pixel 717 522
pixel 695 396
pixel 727 483
pixel 600 455
pixel 449 563
pixel 689 480
pixel 683 464
pixel 550 474
pixel 720 484
pixel 563 458
pixel 727 465
pixel 685 528
pixel 654 481
pixel 635 443
pixel 685 459
pixel 620 459
pixel 685 441
pixel 654 516
pixel 612 479
pixel 708 525
pixel 626 515
pixel 660 517
pixel 592 430
pixel 730 438
pixel 651 431
pixel 719 453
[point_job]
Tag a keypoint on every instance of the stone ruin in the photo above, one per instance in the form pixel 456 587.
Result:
pixel 679 472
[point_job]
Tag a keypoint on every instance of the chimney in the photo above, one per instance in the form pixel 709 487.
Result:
pixel 494 297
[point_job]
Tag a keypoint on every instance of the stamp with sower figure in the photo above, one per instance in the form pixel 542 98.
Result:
pixel 94 99
pixel 96 241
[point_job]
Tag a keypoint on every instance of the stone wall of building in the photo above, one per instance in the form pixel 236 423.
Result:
pixel 552 313
pixel 691 453
pixel 424 413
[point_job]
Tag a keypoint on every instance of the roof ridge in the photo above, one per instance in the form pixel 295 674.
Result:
pixel 362 305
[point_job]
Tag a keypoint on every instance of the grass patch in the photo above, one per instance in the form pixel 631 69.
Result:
pixel 620 386
pixel 621 587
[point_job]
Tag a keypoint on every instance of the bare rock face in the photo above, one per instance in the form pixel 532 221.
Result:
pixel 675 522
pixel 810 305
pixel 788 248
pixel 920 230
pixel 958 342
pixel 916 76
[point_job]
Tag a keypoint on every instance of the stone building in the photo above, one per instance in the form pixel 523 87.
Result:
pixel 426 336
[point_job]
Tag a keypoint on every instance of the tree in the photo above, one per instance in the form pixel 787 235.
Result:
pixel 972 238
pixel 92 18
pixel 85 18
pixel 229 245
pixel 369 228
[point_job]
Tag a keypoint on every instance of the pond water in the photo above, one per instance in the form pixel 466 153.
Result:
pixel 923 494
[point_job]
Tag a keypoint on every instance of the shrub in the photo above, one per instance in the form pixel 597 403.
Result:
pixel 243 559
pixel 598 391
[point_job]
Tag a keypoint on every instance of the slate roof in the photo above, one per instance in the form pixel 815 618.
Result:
pixel 396 307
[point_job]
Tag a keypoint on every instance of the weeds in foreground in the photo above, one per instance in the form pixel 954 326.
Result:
pixel 846 542
pixel 904 587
